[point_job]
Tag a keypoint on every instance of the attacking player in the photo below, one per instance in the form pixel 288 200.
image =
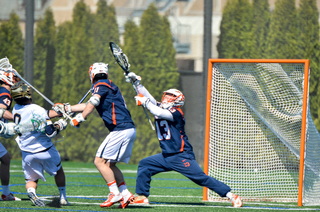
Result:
pixel 7 79
pixel 117 146
pixel 177 152
pixel 35 130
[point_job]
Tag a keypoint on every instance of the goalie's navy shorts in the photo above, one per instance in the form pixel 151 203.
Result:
pixel 183 163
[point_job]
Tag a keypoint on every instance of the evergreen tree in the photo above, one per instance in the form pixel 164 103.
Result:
pixel 153 55
pixel 309 49
pixel 44 55
pixel 235 39
pixel 12 46
pixel 261 21
pixel 105 29
pixel 12 43
pixel 282 37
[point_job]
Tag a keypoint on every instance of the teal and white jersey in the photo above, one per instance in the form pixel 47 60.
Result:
pixel 35 116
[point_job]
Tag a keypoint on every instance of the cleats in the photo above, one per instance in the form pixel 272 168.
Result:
pixel 9 197
pixel 140 200
pixel 126 200
pixel 112 199
pixel 35 200
pixel 64 202
pixel 236 201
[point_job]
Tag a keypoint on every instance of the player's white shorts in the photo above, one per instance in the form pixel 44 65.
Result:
pixel 3 150
pixel 33 164
pixel 117 146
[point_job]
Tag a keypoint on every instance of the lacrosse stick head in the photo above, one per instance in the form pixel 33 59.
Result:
pixel 172 98
pixel 120 57
pixel 20 91
pixel 98 70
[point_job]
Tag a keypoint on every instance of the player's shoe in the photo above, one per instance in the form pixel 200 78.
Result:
pixel 236 201
pixel 64 202
pixel 126 200
pixel 9 197
pixel 112 199
pixel 140 200
pixel 35 199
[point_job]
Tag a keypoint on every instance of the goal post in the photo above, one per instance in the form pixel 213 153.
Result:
pixel 260 138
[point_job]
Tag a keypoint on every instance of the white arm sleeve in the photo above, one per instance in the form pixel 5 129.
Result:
pixel 142 90
pixel 159 112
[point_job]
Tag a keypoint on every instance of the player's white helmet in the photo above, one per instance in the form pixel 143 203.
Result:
pixel 172 98
pixel 20 90
pixel 98 68
pixel 7 76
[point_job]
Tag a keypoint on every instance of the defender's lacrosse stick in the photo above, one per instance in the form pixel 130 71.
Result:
pixel 4 63
pixel 123 62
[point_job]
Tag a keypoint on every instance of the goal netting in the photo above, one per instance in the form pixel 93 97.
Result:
pixel 255 131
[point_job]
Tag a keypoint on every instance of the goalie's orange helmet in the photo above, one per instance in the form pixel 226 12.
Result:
pixel 98 68
pixel 7 76
pixel 172 98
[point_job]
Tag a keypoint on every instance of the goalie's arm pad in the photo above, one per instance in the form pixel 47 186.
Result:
pixel 159 112
pixel 94 100
pixel 142 90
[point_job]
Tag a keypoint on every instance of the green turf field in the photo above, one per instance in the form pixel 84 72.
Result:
pixel 86 190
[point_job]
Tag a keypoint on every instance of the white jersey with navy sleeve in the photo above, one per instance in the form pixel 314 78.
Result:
pixel 34 141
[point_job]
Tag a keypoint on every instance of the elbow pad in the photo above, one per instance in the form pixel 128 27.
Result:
pixel 94 100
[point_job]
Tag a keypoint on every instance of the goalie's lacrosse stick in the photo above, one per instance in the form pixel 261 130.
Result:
pixel 4 63
pixel 123 62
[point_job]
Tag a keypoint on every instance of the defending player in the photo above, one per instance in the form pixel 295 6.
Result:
pixel 117 146
pixel 38 152
pixel 177 152
pixel 6 80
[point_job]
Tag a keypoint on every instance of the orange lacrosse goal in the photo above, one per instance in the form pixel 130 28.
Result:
pixel 260 138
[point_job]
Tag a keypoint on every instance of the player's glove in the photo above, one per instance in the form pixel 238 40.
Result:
pixel 7 129
pixel 61 124
pixel 141 100
pixel 75 122
pixel 59 108
pixel 132 77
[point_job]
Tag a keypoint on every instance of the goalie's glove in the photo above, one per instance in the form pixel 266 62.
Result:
pixel 75 122
pixel 132 77
pixel 141 100
pixel 7 129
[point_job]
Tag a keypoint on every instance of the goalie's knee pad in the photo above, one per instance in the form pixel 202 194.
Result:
pixel 94 100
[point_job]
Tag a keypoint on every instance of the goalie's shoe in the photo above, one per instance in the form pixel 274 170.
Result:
pixel 126 200
pixel 140 200
pixel 236 201
pixel 112 199
pixel 35 199
pixel 9 197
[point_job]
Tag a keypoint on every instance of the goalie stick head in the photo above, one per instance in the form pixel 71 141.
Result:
pixel 20 91
pixel 172 98
pixel 98 70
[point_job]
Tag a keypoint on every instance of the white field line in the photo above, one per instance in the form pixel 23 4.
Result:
pixel 265 205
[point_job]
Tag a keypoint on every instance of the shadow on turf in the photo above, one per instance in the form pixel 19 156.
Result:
pixel 55 203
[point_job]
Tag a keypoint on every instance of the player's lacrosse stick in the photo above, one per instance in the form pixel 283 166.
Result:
pixel 123 62
pixel 4 63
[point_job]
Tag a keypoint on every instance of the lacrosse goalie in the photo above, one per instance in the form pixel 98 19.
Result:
pixel 108 101
pixel 177 152
pixel 7 79
pixel 35 130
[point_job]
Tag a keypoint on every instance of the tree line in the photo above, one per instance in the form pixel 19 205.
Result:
pixel 249 29
pixel 63 55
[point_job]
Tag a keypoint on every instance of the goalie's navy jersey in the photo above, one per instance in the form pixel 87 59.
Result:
pixel 112 107
pixel 171 134
pixel 5 99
